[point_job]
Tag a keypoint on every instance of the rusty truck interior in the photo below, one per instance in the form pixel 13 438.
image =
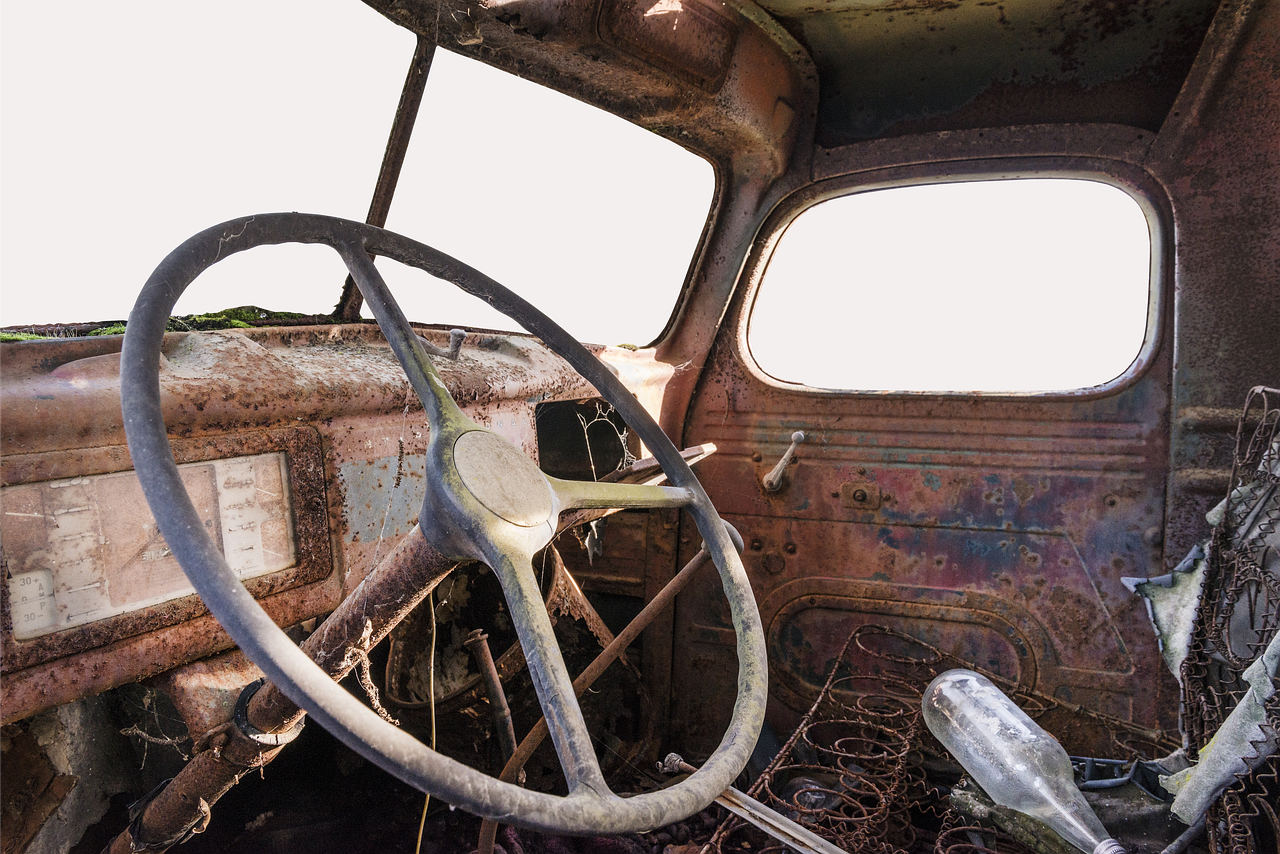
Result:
pixel 328 581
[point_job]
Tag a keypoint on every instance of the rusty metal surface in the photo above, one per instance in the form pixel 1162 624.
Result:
pixel 1214 155
pixel 904 66
pixel 1030 508
pixel 1214 159
pixel 223 754
pixel 400 581
pixel 1103 542
pixel 454 515
pixel 1001 535
pixel 204 693
pixel 356 487
pixel 743 63
pixel 310 528
pixel 57 396
pixel 84 674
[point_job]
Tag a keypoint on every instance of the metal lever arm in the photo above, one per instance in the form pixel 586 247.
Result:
pixel 773 480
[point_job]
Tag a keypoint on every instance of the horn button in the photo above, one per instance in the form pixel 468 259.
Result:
pixel 502 479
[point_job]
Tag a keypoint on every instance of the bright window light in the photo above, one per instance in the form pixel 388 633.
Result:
pixel 128 127
pixel 588 217
pixel 1028 285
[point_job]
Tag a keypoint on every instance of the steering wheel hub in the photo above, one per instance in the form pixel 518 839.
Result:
pixel 502 479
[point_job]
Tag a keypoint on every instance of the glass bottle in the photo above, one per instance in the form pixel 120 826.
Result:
pixel 1018 764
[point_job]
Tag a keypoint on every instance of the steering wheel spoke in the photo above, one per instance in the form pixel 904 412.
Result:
pixel 587 495
pixel 551 680
pixel 444 418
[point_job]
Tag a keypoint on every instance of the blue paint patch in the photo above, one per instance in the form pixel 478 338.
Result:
pixel 880 576
pixel 804 506
pixel 976 547
pixel 369 496
pixel 992 479
pixel 932 481
pixel 885 535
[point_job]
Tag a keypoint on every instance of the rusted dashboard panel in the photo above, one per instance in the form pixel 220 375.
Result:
pixel 85 563
pixel 303 448
pixel 120 607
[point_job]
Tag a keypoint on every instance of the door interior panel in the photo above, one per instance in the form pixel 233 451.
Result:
pixel 996 529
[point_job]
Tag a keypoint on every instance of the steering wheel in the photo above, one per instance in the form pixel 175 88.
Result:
pixel 485 500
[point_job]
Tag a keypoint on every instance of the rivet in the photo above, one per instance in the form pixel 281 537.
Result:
pixel 757 545
pixel 790 548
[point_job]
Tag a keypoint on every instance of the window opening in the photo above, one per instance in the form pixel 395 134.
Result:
pixel 587 216
pixel 1027 285
pixel 590 218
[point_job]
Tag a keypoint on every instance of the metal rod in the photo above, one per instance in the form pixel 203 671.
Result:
pixel 478 644
pixel 415 83
pixel 749 809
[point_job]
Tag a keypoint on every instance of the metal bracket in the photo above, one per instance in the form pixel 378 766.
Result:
pixel 251 732
pixel 858 495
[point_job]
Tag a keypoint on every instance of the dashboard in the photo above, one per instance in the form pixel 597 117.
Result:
pixel 303 449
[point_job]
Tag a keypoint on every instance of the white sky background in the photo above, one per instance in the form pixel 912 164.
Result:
pixel 128 126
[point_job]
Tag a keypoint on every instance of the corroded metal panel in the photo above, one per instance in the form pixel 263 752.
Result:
pixel 307 519
pixel 997 528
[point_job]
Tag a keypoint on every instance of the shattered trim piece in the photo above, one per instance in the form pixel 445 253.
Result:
pixel 1173 601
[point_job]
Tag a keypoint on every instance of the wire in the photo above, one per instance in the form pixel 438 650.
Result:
pixel 431 694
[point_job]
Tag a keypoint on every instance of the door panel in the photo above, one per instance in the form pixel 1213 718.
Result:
pixel 996 529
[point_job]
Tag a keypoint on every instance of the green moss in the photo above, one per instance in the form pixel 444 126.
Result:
pixel 113 329
pixel 240 317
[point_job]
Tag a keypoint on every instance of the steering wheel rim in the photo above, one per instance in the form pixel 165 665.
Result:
pixel 590 808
